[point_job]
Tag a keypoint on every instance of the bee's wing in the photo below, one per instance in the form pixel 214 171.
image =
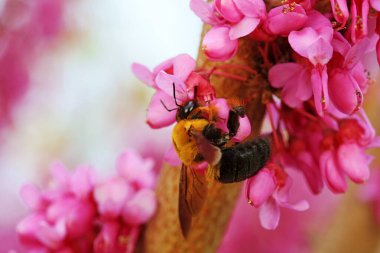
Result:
pixel 212 154
pixel 192 195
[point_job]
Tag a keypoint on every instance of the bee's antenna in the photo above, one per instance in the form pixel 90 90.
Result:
pixel 169 110
pixel 175 99
pixel 195 91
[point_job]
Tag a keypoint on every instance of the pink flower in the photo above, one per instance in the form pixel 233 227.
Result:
pixel 231 20
pixel 359 22
pixel 60 212
pixel 301 80
pixel 345 82
pixel 174 81
pixel 340 11
pixel 314 42
pixel 180 66
pixel 344 155
pixel 140 208
pixel 67 216
pixel 217 44
pixel 269 190
pixel 111 196
pixel 284 19
pixel 136 170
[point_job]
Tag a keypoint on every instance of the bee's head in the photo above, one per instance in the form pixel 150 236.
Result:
pixel 184 110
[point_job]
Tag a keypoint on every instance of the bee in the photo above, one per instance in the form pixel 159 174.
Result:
pixel 196 140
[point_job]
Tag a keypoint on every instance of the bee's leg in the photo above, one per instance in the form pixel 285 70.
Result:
pixel 233 123
pixel 214 135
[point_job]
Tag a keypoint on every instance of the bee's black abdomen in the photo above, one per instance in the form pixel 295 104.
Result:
pixel 243 160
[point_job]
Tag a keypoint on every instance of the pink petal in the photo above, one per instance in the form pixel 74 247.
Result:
pixel 183 65
pixel 320 24
pixel 369 131
pixel 251 8
pixel 111 196
pixel 165 83
pixel 359 20
pixel 27 228
pixel 77 215
pixel 303 205
pixel 320 52
pixel 50 236
pixel 244 129
pixel 59 208
pixel 304 90
pixel 356 52
pixel 228 10
pixel 158 116
pixel 243 27
pixel 340 43
pixel 359 74
pixel 80 218
pixel 319 85
pixel 221 106
pixel 61 175
pixel 371 190
pixel 269 214
pixel 140 208
pixel 166 66
pixel 106 240
pixel 295 80
pixel 281 23
pixel 261 187
pixel 283 73
pixel 31 196
pixel 205 91
pixel 300 41
pixel 354 162
pixel 143 74
pixel 334 177
pixel 82 181
pixel 204 10
pixel 344 91
pixel 131 166
pixel 171 157
pixel 217 44
pixel 311 172
pixel 340 11
pixel 375 4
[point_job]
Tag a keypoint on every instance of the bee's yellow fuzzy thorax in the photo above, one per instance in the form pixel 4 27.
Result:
pixel 184 142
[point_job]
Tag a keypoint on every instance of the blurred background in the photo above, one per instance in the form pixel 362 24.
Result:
pixel 67 93
pixel 77 100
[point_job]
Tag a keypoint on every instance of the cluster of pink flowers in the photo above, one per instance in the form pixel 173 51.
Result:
pixel 318 127
pixel 78 213
pixel 312 58
pixel 323 58
pixel 25 26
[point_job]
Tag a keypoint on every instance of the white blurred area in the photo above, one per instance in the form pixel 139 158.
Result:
pixel 84 105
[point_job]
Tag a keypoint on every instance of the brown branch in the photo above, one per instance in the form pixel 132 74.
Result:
pixel 163 233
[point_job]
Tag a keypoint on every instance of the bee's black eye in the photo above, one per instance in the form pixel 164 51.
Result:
pixel 185 110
